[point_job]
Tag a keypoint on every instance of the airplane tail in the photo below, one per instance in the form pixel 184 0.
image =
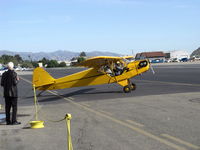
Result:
pixel 41 78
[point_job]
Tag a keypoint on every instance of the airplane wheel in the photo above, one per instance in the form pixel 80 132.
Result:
pixel 133 86
pixel 127 89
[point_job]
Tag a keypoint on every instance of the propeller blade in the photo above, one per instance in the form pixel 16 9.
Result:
pixel 152 69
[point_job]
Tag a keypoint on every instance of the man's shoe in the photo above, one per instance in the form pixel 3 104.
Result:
pixel 16 123
pixel 8 123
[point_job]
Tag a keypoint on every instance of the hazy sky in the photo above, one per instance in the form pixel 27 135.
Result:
pixel 103 25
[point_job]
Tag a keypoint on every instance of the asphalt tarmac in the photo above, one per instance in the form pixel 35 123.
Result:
pixel 161 114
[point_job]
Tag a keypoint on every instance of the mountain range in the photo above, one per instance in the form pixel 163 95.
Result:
pixel 59 55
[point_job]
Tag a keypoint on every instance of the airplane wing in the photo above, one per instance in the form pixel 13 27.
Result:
pixel 97 62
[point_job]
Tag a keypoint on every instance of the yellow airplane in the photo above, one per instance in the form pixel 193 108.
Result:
pixel 102 70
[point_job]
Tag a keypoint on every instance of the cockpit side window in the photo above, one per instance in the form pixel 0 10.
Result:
pixel 142 64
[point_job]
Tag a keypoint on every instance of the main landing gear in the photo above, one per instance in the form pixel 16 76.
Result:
pixel 129 88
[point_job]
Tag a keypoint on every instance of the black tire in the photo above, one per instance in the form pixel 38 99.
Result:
pixel 127 89
pixel 132 86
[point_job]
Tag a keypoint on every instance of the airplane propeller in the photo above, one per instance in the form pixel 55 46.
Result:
pixel 152 68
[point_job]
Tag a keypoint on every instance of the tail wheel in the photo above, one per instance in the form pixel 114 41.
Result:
pixel 132 86
pixel 127 89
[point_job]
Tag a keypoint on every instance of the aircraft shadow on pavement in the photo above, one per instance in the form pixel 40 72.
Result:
pixel 77 92
pixel 46 95
pixel 88 91
pixel 51 98
pixel 23 115
pixel 44 98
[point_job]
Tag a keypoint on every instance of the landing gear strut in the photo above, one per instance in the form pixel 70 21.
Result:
pixel 127 89
pixel 132 86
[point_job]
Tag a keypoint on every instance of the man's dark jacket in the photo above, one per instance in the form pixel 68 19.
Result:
pixel 9 82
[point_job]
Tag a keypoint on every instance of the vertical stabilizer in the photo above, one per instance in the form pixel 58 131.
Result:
pixel 41 77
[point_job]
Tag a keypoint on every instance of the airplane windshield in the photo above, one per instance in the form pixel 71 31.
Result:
pixel 142 64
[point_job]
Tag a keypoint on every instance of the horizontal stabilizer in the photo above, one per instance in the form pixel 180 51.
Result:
pixel 41 77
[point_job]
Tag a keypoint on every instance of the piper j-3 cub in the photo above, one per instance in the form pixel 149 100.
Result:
pixel 102 70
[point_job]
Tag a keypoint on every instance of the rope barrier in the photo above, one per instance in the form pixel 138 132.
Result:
pixel 67 118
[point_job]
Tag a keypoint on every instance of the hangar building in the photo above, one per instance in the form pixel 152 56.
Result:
pixel 154 57
pixel 179 54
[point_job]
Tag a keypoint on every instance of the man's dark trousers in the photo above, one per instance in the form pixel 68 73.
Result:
pixel 11 102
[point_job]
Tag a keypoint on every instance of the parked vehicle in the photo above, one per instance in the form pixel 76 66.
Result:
pixel 183 59
pixel 175 60
pixel 2 70
pixel 157 61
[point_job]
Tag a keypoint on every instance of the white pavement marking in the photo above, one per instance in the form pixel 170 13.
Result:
pixel 172 83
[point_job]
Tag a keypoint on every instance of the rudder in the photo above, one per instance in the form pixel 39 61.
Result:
pixel 41 77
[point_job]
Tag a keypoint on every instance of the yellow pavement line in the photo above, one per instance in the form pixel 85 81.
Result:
pixel 135 123
pixel 136 129
pixel 181 141
pixel 105 112
pixel 25 79
pixel 172 83
pixel 66 98
pixel 85 104
pixel 71 98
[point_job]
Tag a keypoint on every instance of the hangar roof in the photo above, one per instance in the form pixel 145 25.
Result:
pixel 150 54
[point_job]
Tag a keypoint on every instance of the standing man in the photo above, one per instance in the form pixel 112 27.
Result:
pixel 9 82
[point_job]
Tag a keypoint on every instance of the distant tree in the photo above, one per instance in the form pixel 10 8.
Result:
pixel 62 64
pixel 74 58
pixel 1 61
pixel 16 63
pixel 44 61
pixel 27 64
pixel 29 56
pixel 35 64
pixel 82 54
pixel 18 58
pixel 6 58
pixel 52 63
pixel 80 59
